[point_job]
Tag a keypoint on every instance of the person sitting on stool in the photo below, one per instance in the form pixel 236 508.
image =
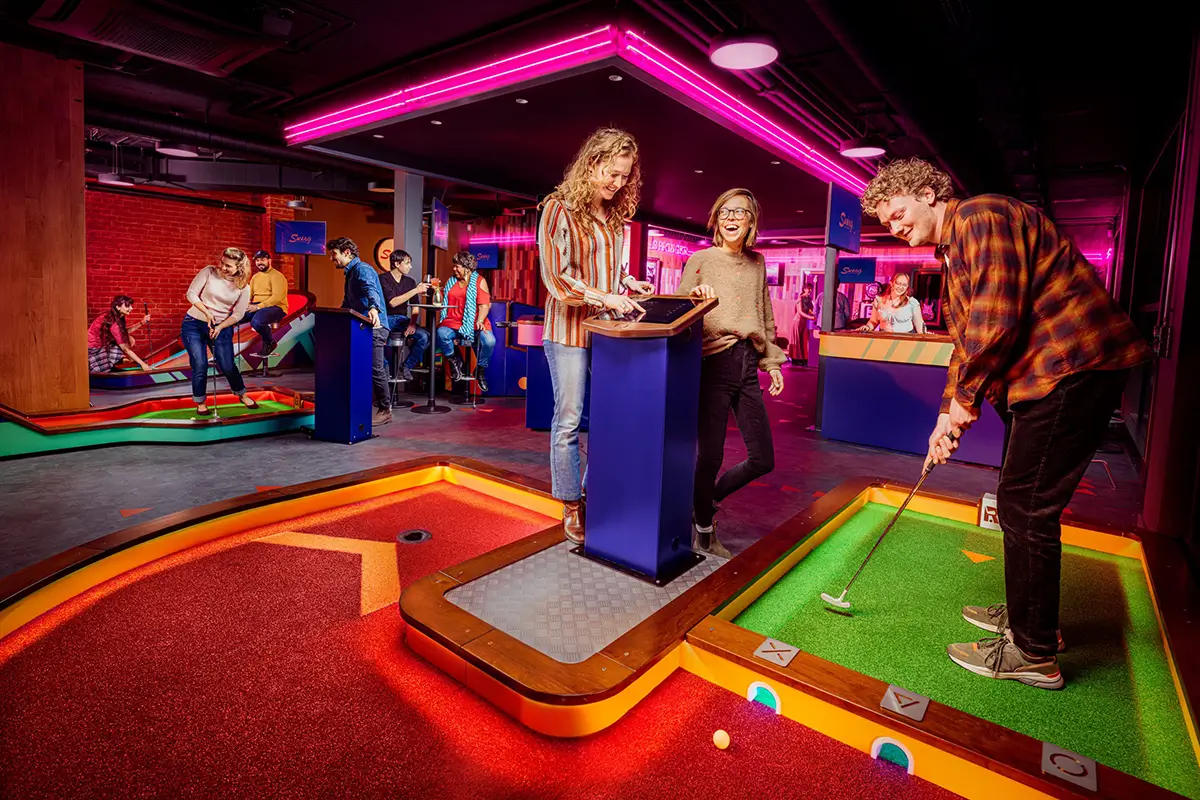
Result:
pixel 398 289
pixel 268 300
pixel 364 295
pixel 467 317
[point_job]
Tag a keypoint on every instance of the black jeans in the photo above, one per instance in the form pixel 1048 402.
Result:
pixel 379 375
pixel 1051 442
pixel 730 380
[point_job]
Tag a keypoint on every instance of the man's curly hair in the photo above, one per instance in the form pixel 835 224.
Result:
pixel 906 176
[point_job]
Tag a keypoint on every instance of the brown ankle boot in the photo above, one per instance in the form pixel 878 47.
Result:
pixel 573 521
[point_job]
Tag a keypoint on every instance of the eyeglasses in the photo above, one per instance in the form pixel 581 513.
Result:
pixel 736 213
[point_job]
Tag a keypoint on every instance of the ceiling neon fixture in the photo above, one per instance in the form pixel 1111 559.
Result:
pixel 514 240
pixel 463 74
pixel 596 45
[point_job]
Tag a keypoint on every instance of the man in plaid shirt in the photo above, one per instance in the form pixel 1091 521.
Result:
pixel 1037 335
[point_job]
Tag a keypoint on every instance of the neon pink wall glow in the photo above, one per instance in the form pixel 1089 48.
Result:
pixel 514 240
pixel 566 54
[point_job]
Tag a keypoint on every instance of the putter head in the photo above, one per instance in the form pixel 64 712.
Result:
pixel 840 602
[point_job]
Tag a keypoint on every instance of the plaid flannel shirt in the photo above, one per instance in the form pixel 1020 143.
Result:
pixel 1023 306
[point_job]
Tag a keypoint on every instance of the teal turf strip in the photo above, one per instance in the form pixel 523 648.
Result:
pixel 1119 706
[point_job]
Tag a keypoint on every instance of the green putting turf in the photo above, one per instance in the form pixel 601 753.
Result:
pixel 225 410
pixel 1119 706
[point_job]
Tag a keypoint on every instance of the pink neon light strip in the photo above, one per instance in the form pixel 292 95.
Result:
pixel 463 74
pixel 522 66
pixel 733 109
pixel 514 240
pixel 555 58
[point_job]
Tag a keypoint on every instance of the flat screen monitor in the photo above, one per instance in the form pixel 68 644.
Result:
pixel 441 225
pixel 774 274
pixel 660 310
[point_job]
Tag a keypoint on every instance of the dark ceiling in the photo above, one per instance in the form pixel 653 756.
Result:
pixel 525 147
pixel 1058 103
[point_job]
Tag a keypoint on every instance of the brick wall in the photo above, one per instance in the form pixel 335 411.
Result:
pixel 151 248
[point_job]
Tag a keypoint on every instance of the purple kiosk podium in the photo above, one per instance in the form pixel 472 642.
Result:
pixel 645 394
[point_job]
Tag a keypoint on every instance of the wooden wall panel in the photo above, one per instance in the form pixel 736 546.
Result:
pixel 43 293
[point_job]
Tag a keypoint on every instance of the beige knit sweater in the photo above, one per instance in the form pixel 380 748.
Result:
pixel 744 312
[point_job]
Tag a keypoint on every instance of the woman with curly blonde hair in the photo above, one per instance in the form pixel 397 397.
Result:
pixel 219 296
pixel 581 237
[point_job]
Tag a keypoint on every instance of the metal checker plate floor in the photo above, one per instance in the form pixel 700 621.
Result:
pixel 568 607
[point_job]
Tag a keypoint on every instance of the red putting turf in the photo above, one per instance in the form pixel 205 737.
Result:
pixel 244 668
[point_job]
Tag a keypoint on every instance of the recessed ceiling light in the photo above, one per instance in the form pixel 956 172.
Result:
pixel 699 171
pixel 689 217
pixel 377 135
pixel 746 51
pixel 435 122
pixel 863 147
pixel 522 101
pixel 616 78
pixel 776 163
pixel 799 210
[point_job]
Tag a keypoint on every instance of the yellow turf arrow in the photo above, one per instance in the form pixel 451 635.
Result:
pixel 977 558
pixel 380 578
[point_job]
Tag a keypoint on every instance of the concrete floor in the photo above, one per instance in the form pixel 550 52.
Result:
pixel 54 502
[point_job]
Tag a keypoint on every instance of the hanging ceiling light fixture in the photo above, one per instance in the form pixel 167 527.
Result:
pixel 744 51
pixel 299 204
pixel 116 177
pixel 382 187
pixel 863 147
pixel 177 149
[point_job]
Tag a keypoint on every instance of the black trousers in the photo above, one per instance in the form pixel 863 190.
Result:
pixel 379 375
pixel 1050 443
pixel 730 380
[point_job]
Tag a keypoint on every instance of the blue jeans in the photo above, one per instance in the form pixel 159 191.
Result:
pixel 196 340
pixel 417 342
pixel 485 343
pixel 569 368
pixel 262 320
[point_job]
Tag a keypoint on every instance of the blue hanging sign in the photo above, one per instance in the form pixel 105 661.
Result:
pixel 441 225
pixel 487 256
pixel 300 238
pixel 844 227
pixel 856 270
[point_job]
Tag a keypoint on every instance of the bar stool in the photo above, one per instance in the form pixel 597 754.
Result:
pixel 471 396
pixel 398 343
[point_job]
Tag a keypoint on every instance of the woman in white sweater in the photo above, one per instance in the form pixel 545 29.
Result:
pixel 219 296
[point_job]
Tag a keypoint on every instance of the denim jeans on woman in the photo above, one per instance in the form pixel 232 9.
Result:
pixel 485 343
pixel 196 340
pixel 568 375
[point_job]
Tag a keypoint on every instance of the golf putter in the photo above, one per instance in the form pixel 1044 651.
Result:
pixel 840 601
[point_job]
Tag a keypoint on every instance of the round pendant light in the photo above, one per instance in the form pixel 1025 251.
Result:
pixel 744 51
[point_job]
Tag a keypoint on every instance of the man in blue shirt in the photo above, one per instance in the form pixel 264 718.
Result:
pixel 364 295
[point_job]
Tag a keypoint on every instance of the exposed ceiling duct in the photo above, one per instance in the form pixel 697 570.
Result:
pixel 164 31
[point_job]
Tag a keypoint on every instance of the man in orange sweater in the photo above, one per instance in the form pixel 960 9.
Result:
pixel 268 300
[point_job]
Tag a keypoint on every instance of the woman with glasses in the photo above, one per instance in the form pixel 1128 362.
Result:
pixel 896 311
pixel 739 341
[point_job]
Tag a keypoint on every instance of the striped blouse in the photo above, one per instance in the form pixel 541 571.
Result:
pixel 579 267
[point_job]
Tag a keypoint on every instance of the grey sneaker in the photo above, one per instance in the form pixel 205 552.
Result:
pixel 994 618
pixel 999 658
pixel 708 542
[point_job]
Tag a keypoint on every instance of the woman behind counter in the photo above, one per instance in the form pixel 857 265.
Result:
pixel 896 311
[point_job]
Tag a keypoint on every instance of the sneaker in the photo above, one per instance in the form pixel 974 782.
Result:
pixel 406 373
pixel 999 658
pixel 707 542
pixel 994 618
pixel 270 348
pixel 382 416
